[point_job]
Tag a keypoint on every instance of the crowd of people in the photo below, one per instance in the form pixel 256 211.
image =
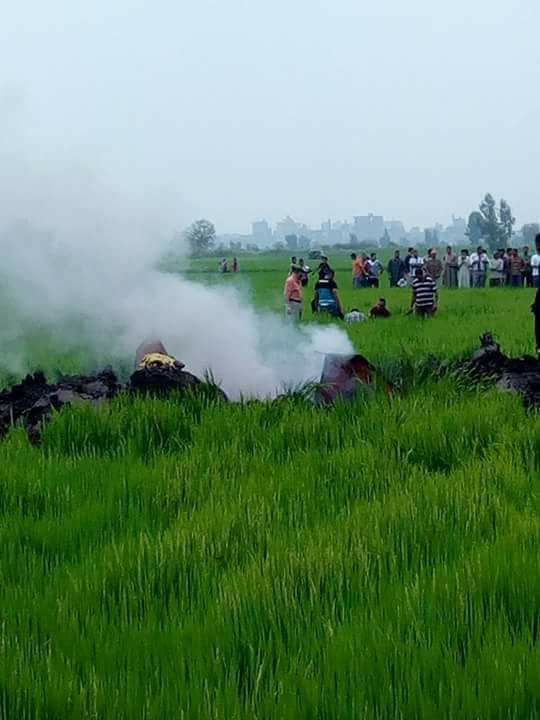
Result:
pixel 326 296
pixel 456 270
pixel 423 275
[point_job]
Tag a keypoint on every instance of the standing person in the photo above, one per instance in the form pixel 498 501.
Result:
pixel 415 263
pixel 506 261
pixel 305 272
pixel 450 272
pixel 407 260
pixel 478 267
pixel 224 266
pixel 235 267
pixel 496 270
pixel 293 294
pixel 294 262
pixel 526 273
pixel 375 271
pixel 396 269
pixel 535 307
pixel 464 270
pixel 357 271
pixel 516 269
pixel 535 264
pixel 324 268
pixel 433 266
pixel 424 295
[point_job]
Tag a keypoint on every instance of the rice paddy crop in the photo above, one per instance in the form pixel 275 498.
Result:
pixel 197 559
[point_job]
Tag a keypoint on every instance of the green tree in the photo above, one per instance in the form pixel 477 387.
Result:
pixel 491 224
pixel 201 237
pixel 529 232
pixel 507 221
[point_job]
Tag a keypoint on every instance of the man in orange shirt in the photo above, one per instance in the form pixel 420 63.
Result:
pixel 293 293
pixel 357 271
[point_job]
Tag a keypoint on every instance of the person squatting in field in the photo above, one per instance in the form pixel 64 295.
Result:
pixel 326 298
pixel 424 295
pixel 379 310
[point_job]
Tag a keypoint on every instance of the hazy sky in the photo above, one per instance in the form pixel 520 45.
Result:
pixel 239 109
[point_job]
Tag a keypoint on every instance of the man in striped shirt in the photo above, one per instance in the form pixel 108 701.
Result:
pixel 424 296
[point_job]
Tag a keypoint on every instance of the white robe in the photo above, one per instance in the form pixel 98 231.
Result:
pixel 464 272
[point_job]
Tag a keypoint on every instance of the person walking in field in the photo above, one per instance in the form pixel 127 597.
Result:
pixel 235 266
pixel 450 271
pixel 293 294
pixel 464 270
pixel 424 295
pixel 357 271
pixel 396 269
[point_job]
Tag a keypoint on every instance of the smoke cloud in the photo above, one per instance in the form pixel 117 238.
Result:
pixel 79 258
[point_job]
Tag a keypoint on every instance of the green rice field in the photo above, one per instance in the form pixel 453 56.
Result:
pixel 196 559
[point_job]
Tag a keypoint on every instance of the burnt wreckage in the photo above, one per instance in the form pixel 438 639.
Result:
pixel 34 400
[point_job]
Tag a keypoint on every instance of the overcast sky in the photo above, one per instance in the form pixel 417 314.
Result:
pixel 241 109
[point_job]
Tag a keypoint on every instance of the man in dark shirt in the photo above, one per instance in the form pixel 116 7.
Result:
pixel 396 269
pixel 329 288
pixel 535 307
pixel 380 310
pixel 324 268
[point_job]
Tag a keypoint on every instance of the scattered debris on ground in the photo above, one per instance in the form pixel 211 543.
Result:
pixel 518 375
pixel 33 401
pixel 342 376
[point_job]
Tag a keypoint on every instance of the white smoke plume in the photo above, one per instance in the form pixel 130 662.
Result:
pixel 79 266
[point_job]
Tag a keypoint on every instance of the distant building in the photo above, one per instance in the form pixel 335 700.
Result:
pixel 368 227
pixel 396 230
pixel 287 227
pixel 261 233
pixel 454 234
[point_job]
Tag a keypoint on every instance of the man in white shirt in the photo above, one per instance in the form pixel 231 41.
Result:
pixel 496 270
pixel 415 262
pixel 535 264
pixel 355 316
pixel 479 266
